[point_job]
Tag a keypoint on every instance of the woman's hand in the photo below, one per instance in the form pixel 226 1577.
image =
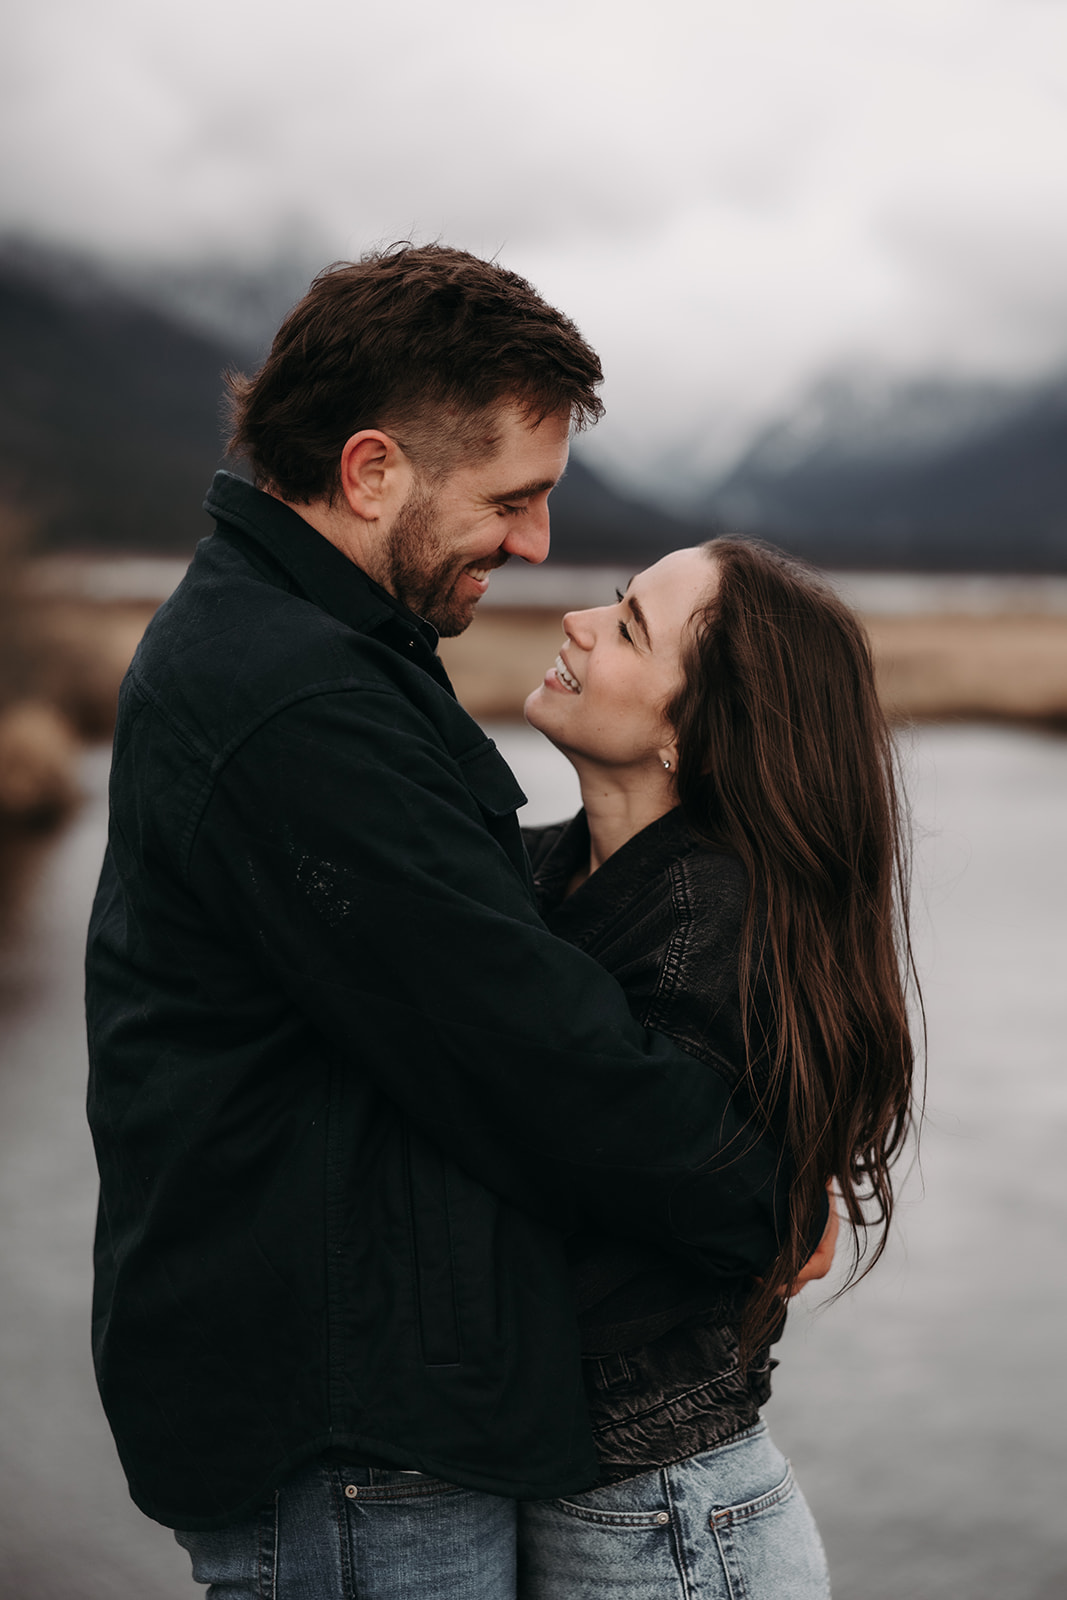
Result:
pixel 819 1264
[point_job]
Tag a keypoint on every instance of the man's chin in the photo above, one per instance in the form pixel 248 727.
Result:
pixel 451 616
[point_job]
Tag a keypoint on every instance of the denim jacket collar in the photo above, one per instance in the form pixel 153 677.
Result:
pixel 582 916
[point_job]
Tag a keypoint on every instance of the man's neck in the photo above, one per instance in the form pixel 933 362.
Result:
pixel 337 523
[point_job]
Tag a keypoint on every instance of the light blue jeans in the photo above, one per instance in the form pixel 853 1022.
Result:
pixel 727 1524
pixel 333 1533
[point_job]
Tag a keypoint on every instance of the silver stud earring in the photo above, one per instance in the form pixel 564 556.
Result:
pixel 667 765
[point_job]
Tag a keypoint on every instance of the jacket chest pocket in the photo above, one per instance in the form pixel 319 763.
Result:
pixel 490 780
pixel 495 788
pixel 432 1253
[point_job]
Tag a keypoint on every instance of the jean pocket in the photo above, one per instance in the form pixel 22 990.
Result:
pixel 386 1484
pixel 618 1520
pixel 581 1548
pixel 769 1545
pixel 640 1503
pixel 722 1516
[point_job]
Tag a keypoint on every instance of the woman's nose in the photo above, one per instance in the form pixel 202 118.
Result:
pixel 580 627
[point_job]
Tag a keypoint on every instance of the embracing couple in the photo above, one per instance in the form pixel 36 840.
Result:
pixel 454 1182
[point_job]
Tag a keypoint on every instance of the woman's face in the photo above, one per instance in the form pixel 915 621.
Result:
pixel 603 700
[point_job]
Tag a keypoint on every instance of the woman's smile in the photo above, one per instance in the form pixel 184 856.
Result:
pixel 624 663
pixel 560 675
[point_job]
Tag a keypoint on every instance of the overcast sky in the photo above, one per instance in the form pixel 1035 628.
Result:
pixel 730 198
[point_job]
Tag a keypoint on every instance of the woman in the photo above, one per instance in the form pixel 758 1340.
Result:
pixel 738 865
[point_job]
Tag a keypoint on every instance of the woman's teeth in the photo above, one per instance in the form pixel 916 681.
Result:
pixel 567 679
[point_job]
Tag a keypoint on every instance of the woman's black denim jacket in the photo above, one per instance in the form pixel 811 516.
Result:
pixel 664 914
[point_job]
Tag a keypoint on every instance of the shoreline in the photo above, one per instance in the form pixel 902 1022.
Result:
pixel 994 667
pixel 930 668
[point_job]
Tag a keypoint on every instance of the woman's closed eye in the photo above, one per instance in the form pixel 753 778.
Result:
pixel 623 629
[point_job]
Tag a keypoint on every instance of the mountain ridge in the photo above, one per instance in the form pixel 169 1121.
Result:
pixel 974 473
pixel 111 427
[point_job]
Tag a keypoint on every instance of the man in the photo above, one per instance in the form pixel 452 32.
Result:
pixel 346 1090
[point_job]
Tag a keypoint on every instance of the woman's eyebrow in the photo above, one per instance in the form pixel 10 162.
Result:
pixel 639 618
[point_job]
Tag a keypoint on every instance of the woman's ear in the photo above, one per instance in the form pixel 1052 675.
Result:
pixel 375 475
pixel 668 756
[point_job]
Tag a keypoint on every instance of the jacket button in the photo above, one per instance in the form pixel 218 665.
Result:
pixel 351 1491
pixel 662 1517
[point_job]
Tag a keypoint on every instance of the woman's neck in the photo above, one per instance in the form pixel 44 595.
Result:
pixel 617 808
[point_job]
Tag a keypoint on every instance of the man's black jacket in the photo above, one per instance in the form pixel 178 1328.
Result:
pixel 346 1089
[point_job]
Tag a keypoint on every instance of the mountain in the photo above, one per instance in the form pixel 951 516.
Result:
pixel 924 475
pixel 593 523
pixel 109 412
pixel 111 425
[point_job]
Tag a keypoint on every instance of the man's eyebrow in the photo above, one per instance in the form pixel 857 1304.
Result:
pixel 526 492
pixel 639 617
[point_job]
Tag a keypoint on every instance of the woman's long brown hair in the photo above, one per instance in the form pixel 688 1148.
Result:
pixel 785 759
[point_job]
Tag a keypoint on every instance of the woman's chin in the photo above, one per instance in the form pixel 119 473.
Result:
pixel 538 715
pixel 531 709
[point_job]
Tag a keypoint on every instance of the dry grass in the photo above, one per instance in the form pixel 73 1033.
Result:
pixel 62 665
pixel 76 652
pixel 1006 667
pixel 501 657
pixel 73 654
pixel 38 762
pixel 929 668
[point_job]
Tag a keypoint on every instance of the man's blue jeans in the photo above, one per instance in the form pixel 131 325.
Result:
pixel 726 1523
pixel 332 1533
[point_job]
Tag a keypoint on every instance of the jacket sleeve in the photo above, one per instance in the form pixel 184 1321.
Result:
pixel 342 843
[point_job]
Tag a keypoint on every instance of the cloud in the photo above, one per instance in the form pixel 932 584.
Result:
pixel 730 199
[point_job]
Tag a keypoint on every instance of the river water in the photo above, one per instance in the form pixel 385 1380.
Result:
pixel 924 1413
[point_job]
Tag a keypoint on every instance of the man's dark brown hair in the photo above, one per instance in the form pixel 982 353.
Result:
pixel 423 342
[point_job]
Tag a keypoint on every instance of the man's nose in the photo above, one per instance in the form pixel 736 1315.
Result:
pixel 529 538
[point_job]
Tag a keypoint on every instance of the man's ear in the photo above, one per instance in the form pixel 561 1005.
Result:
pixel 375 475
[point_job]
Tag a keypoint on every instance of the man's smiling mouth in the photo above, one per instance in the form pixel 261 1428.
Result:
pixel 483 570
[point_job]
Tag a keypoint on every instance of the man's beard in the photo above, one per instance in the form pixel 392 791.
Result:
pixel 421 570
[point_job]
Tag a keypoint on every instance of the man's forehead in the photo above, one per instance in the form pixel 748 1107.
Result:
pixel 527 455
pixel 515 423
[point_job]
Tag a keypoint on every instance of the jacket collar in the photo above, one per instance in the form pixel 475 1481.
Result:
pixel 315 568
pixel 595 904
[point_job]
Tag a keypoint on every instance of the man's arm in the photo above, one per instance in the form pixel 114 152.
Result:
pixel 343 844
